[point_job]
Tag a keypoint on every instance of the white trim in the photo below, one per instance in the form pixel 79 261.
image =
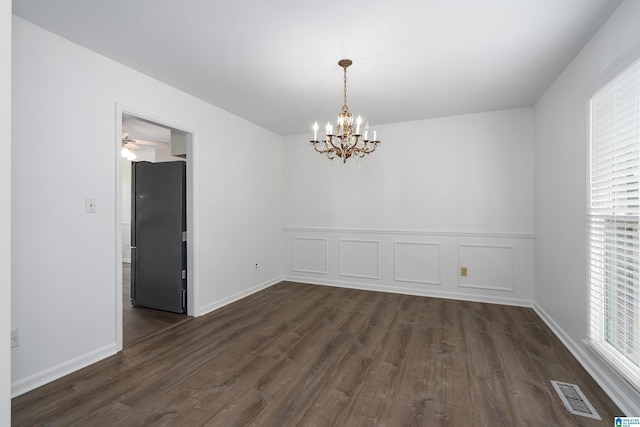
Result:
pixel 630 405
pixel 117 146
pixel 326 256
pixel 410 232
pixel 395 262
pixel 491 288
pixel 604 355
pixel 208 308
pixel 613 70
pixel 431 293
pixel 610 97
pixel 51 374
pixel 361 276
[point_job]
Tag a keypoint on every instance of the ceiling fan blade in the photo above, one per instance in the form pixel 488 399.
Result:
pixel 150 143
pixel 133 146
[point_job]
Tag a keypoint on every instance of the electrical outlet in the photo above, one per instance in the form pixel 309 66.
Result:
pixel 463 271
pixel 15 341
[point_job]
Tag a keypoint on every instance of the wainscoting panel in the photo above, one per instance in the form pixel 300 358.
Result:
pixel 499 265
pixel 487 267
pixel 417 262
pixel 310 255
pixel 360 258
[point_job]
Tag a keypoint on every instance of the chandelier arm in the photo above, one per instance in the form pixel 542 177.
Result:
pixel 372 149
pixel 356 139
pixel 321 151
pixel 324 150
pixel 367 149
pixel 334 145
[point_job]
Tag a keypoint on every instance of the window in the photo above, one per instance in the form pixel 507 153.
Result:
pixel 613 221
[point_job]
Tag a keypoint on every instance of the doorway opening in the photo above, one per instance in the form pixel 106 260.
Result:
pixel 147 141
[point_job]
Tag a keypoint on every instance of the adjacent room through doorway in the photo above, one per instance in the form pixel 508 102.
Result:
pixel 145 274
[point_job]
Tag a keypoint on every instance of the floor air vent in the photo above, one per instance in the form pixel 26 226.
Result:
pixel 573 399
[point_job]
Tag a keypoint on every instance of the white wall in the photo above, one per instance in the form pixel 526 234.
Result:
pixel 64 260
pixel 440 194
pixel 561 184
pixel 5 213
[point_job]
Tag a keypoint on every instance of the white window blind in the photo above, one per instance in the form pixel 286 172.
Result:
pixel 613 220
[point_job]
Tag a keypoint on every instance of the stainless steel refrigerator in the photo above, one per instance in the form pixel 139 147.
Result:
pixel 158 236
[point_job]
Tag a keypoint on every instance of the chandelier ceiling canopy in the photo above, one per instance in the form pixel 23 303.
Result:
pixel 347 141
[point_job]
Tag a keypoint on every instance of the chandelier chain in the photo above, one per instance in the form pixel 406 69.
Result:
pixel 344 107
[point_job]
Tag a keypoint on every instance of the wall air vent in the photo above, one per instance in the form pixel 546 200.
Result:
pixel 574 400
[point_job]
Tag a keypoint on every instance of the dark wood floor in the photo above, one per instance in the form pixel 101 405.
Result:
pixel 308 355
pixel 140 323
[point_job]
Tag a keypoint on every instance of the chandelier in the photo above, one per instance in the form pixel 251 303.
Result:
pixel 347 141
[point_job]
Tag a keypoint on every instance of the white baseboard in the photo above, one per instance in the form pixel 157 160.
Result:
pixel 630 405
pixel 48 375
pixel 208 308
pixel 412 291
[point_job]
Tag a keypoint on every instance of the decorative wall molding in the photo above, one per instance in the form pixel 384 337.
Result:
pixel 408 232
pixel 360 258
pixel 319 254
pixel 489 266
pixel 426 264
pixel 429 268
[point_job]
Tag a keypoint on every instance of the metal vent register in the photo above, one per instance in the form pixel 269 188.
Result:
pixel 574 400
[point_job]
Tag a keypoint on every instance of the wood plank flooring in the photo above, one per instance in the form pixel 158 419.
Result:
pixel 306 355
pixel 140 323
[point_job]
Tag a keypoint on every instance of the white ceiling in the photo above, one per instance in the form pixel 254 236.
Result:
pixel 274 62
pixel 140 129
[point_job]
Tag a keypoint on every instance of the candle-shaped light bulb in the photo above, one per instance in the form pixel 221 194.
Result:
pixel 328 128
pixel 366 130
pixel 315 131
pixel 358 123
pixel 374 136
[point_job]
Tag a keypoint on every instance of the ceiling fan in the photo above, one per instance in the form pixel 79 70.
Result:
pixel 126 143
pixel 129 145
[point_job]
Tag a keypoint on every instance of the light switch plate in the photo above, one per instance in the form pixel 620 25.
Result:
pixel 90 205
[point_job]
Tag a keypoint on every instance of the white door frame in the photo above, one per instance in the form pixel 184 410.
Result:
pixel 191 285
